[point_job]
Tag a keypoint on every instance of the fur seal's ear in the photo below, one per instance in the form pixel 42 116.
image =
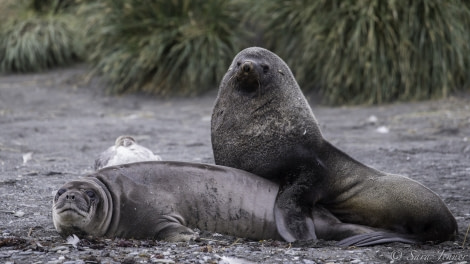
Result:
pixel 292 222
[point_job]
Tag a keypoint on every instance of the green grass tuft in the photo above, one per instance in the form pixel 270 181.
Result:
pixel 162 47
pixel 37 44
pixel 372 51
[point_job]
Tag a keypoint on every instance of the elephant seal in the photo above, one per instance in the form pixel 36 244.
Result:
pixel 262 123
pixel 163 199
pixel 125 150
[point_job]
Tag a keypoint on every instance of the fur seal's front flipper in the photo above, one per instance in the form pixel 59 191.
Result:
pixel 292 220
pixel 375 238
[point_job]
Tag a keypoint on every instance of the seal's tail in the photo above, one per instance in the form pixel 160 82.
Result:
pixel 375 238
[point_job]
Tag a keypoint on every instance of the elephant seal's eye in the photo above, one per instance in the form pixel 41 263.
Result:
pixel 60 192
pixel 90 194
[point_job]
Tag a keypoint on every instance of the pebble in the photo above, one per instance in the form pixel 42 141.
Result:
pixel 356 261
pixel 27 252
pixel 383 130
pixel 59 248
pixel 308 261
pixel 155 260
pixel 133 254
pixel 19 213
pixel 372 120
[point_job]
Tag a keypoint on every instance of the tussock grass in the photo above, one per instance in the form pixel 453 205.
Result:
pixel 372 51
pixel 36 44
pixel 162 47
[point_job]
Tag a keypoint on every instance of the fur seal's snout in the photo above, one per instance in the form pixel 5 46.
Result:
pixel 248 76
pixel 247 66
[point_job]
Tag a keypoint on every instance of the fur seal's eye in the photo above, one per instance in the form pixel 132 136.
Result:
pixel 90 194
pixel 238 64
pixel 60 192
pixel 265 68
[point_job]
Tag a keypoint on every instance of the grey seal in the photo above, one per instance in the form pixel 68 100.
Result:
pixel 262 123
pixel 125 150
pixel 164 200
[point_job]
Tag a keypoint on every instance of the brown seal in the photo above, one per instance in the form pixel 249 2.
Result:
pixel 125 150
pixel 262 123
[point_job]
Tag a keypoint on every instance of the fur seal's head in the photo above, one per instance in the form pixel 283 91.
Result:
pixel 261 118
pixel 254 71
pixel 82 207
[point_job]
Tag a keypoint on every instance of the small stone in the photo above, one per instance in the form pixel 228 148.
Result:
pixel 372 120
pixel 19 213
pixel 59 248
pixel 27 252
pixel 383 130
pixel 154 260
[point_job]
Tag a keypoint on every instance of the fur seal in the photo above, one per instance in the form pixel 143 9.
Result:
pixel 262 123
pixel 125 150
pixel 162 199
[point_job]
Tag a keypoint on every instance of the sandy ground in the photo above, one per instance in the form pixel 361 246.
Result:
pixel 54 124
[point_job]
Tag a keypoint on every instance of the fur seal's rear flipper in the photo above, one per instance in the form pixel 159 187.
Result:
pixel 375 238
pixel 293 213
